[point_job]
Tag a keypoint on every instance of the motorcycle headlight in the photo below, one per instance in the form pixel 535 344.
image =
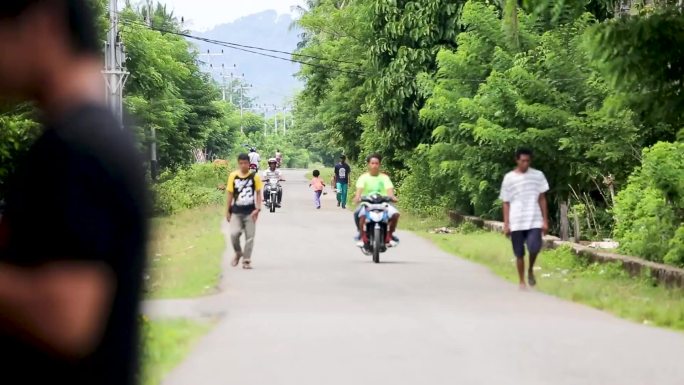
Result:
pixel 376 216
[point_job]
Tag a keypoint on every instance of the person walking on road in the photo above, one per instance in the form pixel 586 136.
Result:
pixel 74 231
pixel 318 185
pixel 341 181
pixel 244 204
pixel 523 193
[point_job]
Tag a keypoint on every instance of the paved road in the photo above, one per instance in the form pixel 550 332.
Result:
pixel 315 311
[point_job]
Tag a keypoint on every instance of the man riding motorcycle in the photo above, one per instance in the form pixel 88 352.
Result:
pixel 375 182
pixel 273 173
pixel 279 158
pixel 254 159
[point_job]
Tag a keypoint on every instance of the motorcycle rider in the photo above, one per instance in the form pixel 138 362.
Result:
pixel 254 159
pixel 273 173
pixel 279 158
pixel 375 182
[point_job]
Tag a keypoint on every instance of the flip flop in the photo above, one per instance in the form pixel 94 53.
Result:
pixel 531 280
pixel 247 265
pixel 236 260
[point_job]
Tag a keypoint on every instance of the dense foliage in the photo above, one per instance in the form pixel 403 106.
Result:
pixel 448 90
pixel 195 186
pixel 649 211
pixel 170 94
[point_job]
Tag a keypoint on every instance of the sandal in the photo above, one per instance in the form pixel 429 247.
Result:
pixel 236 259
pixel 247 265
pixel 531 280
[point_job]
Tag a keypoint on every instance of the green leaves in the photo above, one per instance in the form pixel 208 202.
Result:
pixel 649 211
pixel 168 92
pixel 17 131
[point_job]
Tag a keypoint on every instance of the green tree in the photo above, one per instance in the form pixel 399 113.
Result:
pixel 408 35
pixel 650 210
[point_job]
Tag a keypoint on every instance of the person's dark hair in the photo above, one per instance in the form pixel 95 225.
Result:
pixel 374 155
pixel 343 157
pixel 316 173
pixel 78 15
pixel 243 156
pixel 523 151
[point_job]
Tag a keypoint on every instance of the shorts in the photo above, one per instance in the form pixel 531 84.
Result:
pixel 532 238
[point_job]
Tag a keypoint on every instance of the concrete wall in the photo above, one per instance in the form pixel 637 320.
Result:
pixel 667 275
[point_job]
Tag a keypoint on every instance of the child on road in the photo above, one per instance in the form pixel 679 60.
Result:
pixel 318 185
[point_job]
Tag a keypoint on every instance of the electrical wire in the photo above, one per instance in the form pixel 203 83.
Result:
pixel 249 49
pixel 215 41
pixel 239 48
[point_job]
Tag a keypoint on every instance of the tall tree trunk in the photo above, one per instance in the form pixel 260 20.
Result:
pixel 564 223
pixel 510 23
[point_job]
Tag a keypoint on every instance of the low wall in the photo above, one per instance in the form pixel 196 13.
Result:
pixel 668 275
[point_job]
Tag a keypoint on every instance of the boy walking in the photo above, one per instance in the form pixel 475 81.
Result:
pixel 341 181
pixel 244 202
pixel 318 185
pixel 525 212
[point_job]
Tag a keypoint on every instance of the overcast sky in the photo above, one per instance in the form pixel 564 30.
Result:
pixel 201 15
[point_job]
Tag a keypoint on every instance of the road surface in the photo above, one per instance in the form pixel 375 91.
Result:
pixel 315 311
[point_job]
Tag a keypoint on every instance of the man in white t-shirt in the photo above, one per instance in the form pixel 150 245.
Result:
pixel 523 193
pixel 254 159
pixel 272 172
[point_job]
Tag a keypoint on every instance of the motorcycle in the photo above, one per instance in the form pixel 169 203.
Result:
pixel 377 223
pixel 272 189
pixel 253 168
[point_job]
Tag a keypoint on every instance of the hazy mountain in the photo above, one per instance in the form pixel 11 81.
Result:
pixel 272 79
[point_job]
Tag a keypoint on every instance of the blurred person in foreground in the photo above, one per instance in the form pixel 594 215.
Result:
pixel 74 227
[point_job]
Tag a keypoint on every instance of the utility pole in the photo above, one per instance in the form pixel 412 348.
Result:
pixel 285 109
pixel 242 95
pixel 154 164
pixel 115 74
pixel 275 119
pixel 209 55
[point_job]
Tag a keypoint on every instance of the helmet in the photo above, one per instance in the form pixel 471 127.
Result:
pixel 272 160
pixel 252 149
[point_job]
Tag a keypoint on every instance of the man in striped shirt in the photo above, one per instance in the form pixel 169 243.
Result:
pixel 523 193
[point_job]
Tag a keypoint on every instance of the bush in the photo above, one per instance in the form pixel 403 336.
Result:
pixel 468 228
pixel 197 185
pixel 649 211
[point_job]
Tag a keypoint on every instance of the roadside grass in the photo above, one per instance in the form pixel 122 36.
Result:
pixel 326 173
pixel 603 286
pixel 165 345
pixel 186 250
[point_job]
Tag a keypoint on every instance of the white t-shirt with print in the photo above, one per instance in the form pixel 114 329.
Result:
pixel 522 191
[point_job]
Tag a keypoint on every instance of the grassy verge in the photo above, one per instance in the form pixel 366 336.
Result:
pixel 186 253
pixel 166 343
pixel 326 173
pixel 603 286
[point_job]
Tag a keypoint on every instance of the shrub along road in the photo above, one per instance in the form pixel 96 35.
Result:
pixel 316 311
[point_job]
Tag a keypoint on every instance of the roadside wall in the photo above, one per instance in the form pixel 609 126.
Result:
pixel 668 275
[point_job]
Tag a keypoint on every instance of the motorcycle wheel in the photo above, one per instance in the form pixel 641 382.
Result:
pixel 272 206
pixel 377 244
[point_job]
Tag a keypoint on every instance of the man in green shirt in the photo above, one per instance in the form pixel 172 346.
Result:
pixel 375 182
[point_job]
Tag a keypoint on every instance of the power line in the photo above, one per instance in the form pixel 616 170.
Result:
pixel 215 41
pixel 233 46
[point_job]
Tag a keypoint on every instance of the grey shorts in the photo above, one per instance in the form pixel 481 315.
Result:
pixel 532 238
